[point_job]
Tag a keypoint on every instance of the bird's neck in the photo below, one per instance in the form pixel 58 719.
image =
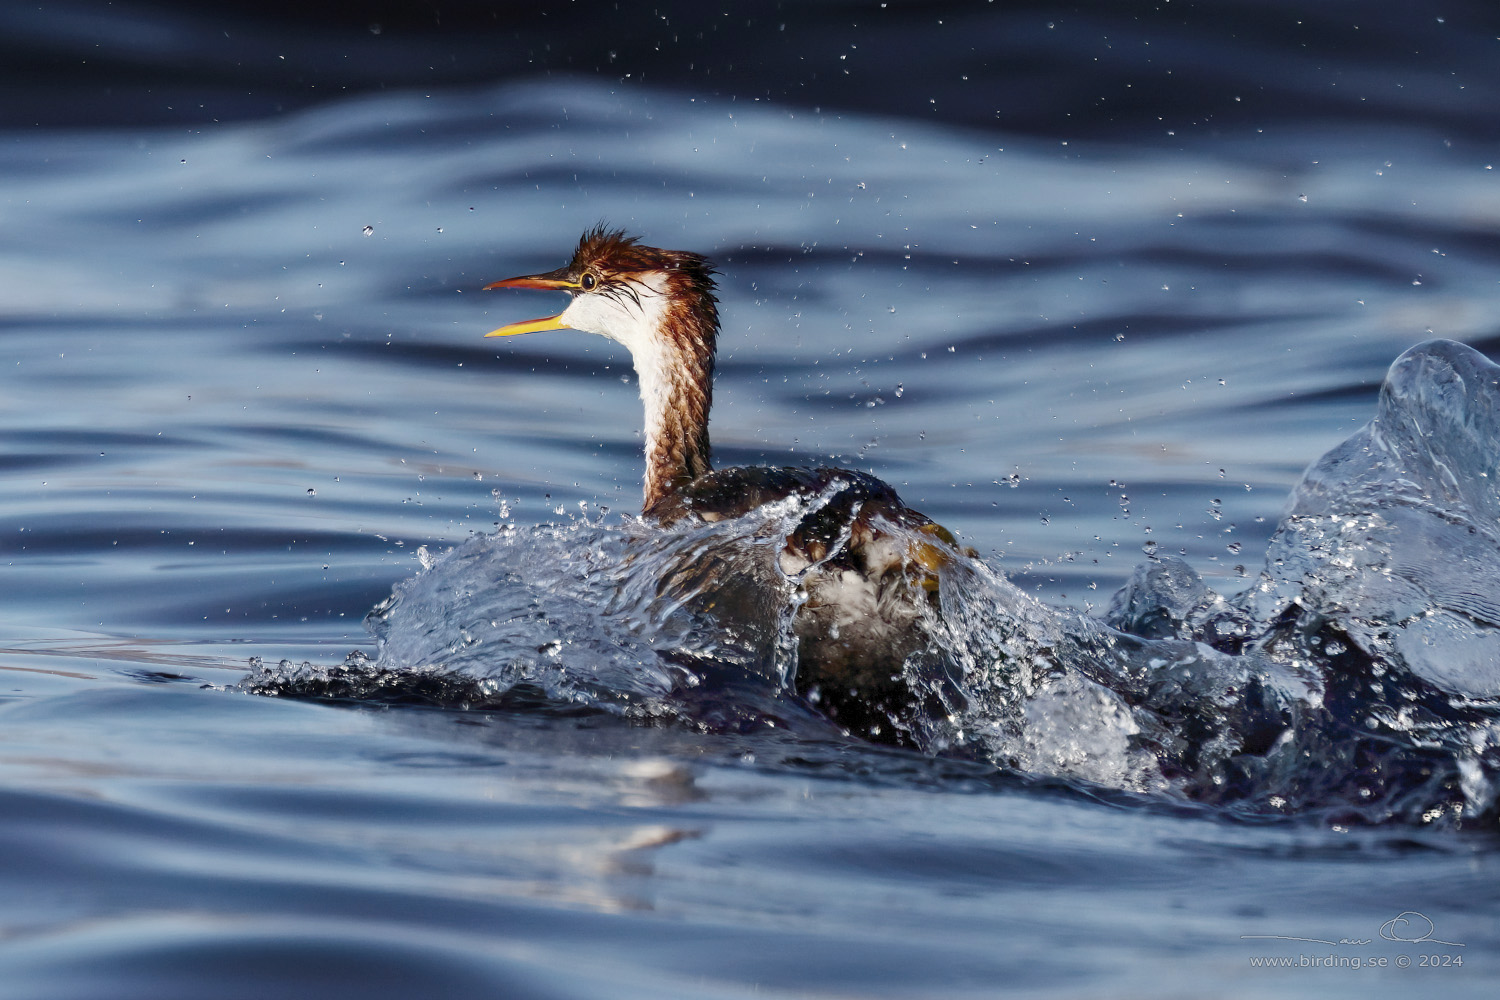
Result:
pixel 677 379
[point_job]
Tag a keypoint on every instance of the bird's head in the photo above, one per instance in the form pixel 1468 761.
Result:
pixel 647 299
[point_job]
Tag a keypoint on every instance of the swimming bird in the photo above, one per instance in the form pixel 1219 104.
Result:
pixel 865 563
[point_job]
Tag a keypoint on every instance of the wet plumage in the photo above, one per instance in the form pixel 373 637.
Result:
pixel 865 580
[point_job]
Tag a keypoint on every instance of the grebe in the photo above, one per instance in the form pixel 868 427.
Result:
pixel 864 580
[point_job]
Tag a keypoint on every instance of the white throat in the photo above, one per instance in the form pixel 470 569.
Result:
pixel 636 322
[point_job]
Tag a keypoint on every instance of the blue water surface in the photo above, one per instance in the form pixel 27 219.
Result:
pixel 244 383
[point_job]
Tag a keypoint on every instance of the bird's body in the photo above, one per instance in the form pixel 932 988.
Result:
pixel 864 578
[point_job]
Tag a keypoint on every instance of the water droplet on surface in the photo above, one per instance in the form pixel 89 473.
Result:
pixel 368 230
pixel 312 493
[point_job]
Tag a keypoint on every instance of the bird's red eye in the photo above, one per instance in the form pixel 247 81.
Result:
pixel 588 282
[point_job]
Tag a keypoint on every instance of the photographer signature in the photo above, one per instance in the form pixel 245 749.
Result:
pixel 1408 926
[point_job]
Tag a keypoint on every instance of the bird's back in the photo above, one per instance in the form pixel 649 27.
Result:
pixel 866 564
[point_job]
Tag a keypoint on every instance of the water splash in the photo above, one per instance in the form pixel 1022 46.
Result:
pixel 689 622
pixel 1377 597
pixel 1357 679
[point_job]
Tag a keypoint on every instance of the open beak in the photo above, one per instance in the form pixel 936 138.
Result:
pixel 552 281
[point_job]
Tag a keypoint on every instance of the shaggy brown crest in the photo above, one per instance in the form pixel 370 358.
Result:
pixel 611 252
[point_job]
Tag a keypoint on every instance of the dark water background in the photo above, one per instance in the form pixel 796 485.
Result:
pixel 1079 279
